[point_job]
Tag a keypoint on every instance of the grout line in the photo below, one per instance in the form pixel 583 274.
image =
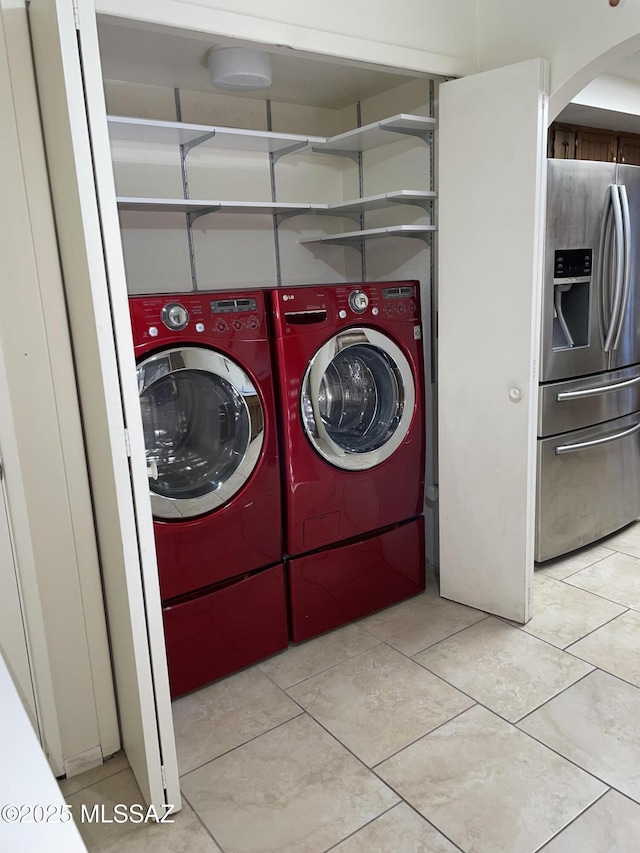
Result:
pixel 598 595
pixel 244 743
pixel 588 566
pixel 572 821
pixel 92 784
pixel 564 648
pixel 374 772
pixel 570 760
pixel 364 825
pixel 449 636
pixel 611 674
pixel 200 820
pixel 455 634
pixel 411 806
pixel 593 631
pixel 523 628
pixel 374 767
pixel 555 696
pixel 332 666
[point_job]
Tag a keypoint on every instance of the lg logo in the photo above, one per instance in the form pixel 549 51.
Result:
pixel 287 296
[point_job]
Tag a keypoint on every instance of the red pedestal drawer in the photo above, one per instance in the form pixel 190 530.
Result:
pixel 229 628
pixel 340 584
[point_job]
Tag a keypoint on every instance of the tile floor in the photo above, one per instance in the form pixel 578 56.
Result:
pixel 428 727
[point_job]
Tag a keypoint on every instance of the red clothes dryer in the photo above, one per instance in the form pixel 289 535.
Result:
pixel 206 394
pixel 350 370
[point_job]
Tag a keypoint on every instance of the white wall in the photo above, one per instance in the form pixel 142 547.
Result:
pixel 609 92
pixel 422 35
pixel 579 38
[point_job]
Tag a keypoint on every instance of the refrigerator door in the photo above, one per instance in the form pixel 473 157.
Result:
pixel 587 401
pixel 578 196
pixel 627 348
pixel 587 485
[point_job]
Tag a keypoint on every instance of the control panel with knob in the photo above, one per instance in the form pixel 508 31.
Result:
pixel 198 317
pixel 358 301
pixel 175 316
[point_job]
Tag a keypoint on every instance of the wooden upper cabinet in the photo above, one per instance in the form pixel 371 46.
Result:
pixel 595 144
pixel 563 139
pixel 570 141
pixel 629 150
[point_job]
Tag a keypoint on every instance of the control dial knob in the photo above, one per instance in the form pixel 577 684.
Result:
pixel 175 316
pixel 358 301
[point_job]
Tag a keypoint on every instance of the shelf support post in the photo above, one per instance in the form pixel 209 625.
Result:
pixel 184 150
pixel 272 176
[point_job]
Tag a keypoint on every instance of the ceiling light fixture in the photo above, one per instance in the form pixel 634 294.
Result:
pixel 239 69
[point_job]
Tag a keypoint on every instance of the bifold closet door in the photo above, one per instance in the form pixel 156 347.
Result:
pixel 66 55
pixel 491 215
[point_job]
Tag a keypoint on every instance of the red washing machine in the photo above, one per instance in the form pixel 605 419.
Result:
pixel 350 370
pixel 206 394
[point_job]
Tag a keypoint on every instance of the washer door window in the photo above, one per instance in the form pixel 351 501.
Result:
pixel 203 429
pixel 357 399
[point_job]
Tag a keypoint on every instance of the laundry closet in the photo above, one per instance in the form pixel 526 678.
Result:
pixel 329 179
pixel 311 181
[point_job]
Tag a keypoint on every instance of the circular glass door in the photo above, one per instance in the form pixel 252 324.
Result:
pixel 357 399
pixel 203 429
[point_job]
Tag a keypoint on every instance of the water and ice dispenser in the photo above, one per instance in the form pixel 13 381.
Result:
pixel 571 295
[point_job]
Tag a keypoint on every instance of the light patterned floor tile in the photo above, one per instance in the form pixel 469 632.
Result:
pixel 112 765
pixel 626 540
pixel 612 825
pixel 563 614
pixel 378 702
pixel 502 667
pixel 219 717
pixel 487 786
pixel 420 622
pixel 400 830
pixel 307 659
pixel 595 724
pixel 616 577
pixel 562 567
pixel 185 835
pixel 292 790
pixel 615 647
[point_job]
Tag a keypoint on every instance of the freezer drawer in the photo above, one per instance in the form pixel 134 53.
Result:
pixel 588 485
pixel 579 403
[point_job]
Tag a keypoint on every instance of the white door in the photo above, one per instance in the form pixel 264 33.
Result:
pixel 491 222
pixel 67 63
pixel 13 642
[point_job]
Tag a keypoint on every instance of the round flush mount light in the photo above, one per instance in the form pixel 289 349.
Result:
pixel 239 69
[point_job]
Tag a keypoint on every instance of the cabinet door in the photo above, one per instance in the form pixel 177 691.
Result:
pixel 67 62
pixel 596 144
pixel 489 325
pixel 629 149
pixel 563 139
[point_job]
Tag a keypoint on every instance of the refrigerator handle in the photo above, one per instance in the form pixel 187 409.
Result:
pixel 583 445
pixel 594 392
pixel 619 267
pixel 603 280
pixel 626 223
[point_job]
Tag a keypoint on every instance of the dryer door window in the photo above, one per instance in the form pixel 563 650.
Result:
pixel 203 428
pixel 357 399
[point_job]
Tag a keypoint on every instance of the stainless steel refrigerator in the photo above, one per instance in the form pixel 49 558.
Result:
pixel 589 415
